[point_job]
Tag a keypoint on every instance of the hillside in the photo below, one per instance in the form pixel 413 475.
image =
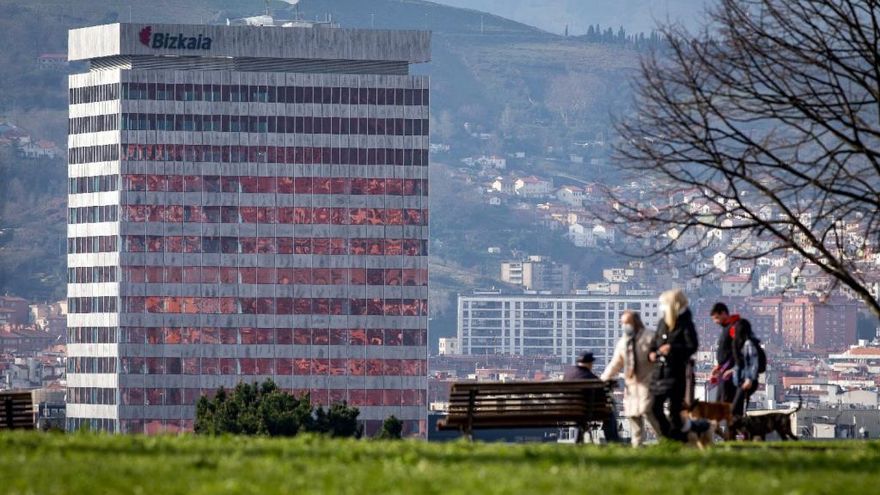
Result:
pixel 58 464
pixel 555 15
pixel 528 89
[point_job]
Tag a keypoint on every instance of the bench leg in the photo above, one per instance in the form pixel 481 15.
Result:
pixel 467 433
pixel 580 435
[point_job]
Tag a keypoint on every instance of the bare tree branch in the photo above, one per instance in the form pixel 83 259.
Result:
pixel 768 121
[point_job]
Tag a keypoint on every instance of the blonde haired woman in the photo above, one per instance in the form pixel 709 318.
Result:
pixel 674 343
pixel 631 357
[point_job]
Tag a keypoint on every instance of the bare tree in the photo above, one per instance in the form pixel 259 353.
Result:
pixel 760 135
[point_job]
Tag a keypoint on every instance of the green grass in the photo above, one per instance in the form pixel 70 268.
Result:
pixel 92 464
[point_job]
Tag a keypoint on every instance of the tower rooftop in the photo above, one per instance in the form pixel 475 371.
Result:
pixel 251 42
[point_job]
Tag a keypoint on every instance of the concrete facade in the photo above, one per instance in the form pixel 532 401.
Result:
pixel 243 224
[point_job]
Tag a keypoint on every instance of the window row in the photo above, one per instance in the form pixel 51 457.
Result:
pixel 91 154
pixel 91 94
pixel 91 274
pixel 189 396
pixel 272 366
pixel 178 426
pixel 271 245
pixel 81 364
pixel 283 185
pixel 274 94
pixel 97 183
pixel 295 155
pixel 93 123
pixel 103 304
pixel 91 395
pixel 366 126
pixel 91 424
pixel 93 244
pixel 92 214
pixel 270 305
pixel 290 215
pixel 270 336
pixel 281 276
pixel 91 335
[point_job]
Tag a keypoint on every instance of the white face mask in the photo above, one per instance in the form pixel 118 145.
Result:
pixel 628 329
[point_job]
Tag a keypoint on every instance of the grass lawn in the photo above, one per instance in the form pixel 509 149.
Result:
pixel 35 463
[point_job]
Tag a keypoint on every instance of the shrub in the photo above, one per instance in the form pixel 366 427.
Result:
pixel 264 409
pixel 392 429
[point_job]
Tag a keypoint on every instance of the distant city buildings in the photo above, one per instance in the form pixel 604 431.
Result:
pixel 448 346
pixel 21 339
pixel 14 310
pixel 736 286
pixel 32 344
pixel 538 273
pixel 545 325
pixel 800 322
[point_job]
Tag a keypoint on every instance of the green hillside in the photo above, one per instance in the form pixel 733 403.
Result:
pixel 78 464
pixel 531 90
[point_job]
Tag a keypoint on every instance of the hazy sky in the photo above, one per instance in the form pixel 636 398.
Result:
pixel 553 15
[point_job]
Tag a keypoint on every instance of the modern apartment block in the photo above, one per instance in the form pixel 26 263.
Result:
pixel 246 203
pixel 546 325
pixel 537 273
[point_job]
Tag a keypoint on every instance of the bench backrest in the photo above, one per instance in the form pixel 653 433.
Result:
pixel 529 403
pixel 16 410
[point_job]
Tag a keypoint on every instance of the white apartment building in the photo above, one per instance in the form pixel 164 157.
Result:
pixel 557 325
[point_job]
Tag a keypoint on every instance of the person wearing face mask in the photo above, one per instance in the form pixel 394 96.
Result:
pixel 674 343
pixel 631 357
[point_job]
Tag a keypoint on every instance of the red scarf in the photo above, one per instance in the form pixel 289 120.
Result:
pixel 732 321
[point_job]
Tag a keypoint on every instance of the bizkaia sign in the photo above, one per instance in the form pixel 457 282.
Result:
pixel 173 41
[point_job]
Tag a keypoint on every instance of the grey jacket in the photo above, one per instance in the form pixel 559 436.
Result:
pixel 748 370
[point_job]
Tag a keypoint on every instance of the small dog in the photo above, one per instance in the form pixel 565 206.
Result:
pixel 758 426
pixel 703 439
pixel 701 433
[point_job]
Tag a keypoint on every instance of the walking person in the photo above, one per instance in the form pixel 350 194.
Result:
pixel 583 370
pixel 674 343
pixel 746 368
pixel 724 359
pixel 631 357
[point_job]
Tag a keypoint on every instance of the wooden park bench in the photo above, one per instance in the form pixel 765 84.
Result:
pixel 16 411
pixel 577 403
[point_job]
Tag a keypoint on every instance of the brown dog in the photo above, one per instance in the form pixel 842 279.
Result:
pixel 713 411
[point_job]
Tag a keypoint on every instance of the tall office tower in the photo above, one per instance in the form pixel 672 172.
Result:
pixel 246 203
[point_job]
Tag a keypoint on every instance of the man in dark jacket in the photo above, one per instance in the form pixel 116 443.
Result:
pixel 672 351
pixel 722 372
pixel 583 370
